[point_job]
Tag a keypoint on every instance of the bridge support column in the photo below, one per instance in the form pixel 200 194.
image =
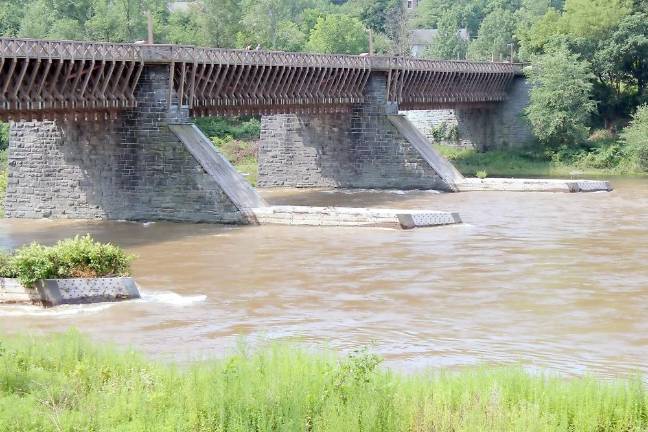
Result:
pixel 362 149
pixel 499 126
pixel 131 168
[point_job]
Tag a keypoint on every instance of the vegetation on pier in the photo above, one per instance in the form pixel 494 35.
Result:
pixel 63 383
pixel 79 257
pixel 238 140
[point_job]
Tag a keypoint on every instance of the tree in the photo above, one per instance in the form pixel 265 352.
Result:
pixel 221 20
pixel 448 44
pixel 374 13
pixel 593 18
pixel 187 27
pixel 635 136
pixel 104 20
pixel 11 14
pixel 397 29
pixel 338 34
pixel 495 36
pixel 274 24
pixel 623 57
pixel 544 31
pixel 561 105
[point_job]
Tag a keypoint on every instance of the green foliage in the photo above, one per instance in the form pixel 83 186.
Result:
pixel 63 383
pixel 237 139
pixel 481 174
pixel 495 37
pixel 623 57
pixel 4 136
pixel 77 257
pixel 114 21
pixel 588 18
pixel 238 128
pixel 338 34
pixel 273 24
pixel 635 136
pixel 11 15
pixel 7 266
pixel 561 105
pixel 444 132
pixel 375 14
pixel 448 44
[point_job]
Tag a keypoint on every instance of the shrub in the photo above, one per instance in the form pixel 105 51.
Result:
pixel 481 174
pixel 445 132
pixel 4 136
pixel 635 136
pixel 236 151
pixel 77 257
pixel 601 135
pixel 561 97
pixel 7 267
pixel 237 128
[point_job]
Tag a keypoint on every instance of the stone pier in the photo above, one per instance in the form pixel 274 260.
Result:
pixel 359 150
pixel 500 126
pixel 132 168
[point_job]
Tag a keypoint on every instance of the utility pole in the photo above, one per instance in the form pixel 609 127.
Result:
pixel 149 25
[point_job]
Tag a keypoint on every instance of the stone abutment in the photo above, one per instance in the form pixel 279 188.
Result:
pixel 131 168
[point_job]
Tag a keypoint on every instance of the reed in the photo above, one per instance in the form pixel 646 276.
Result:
pixel 65 383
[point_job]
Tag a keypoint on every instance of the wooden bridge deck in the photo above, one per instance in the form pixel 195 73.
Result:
pixel 48 79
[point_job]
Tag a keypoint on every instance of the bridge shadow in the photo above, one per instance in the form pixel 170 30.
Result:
pixel 363 198
pixel 17 232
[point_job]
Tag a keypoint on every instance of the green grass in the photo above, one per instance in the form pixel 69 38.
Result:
pixel 63 383
pixel 597 161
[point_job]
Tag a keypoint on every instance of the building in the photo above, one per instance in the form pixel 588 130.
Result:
pixel 411 4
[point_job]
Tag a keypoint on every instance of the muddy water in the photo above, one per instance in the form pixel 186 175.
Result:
pixel 554 281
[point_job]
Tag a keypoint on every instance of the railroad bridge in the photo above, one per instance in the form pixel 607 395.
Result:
pixel 103 130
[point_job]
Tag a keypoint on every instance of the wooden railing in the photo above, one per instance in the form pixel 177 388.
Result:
pixel 92 80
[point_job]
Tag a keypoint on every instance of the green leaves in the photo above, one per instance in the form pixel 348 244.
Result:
pixel 635 136
pixel 77 257
pixel 339 34
pixel 561 104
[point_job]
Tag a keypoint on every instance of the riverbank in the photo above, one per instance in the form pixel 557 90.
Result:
pixel 65 383
pixel 602 161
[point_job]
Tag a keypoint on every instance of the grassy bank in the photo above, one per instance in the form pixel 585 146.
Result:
pixel 237 139
pixel 63 383
pixel 498 163
pixel 604 157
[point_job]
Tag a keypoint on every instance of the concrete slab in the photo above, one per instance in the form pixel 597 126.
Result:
pixel 533 185
pixel 346 216
pixel 54 292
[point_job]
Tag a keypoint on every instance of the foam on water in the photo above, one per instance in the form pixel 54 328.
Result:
pixel 58 311
pixel 171 298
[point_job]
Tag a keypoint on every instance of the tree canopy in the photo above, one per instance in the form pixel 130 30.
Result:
pixel 610 35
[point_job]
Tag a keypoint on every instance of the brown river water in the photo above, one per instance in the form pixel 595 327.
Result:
pixel 556 281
